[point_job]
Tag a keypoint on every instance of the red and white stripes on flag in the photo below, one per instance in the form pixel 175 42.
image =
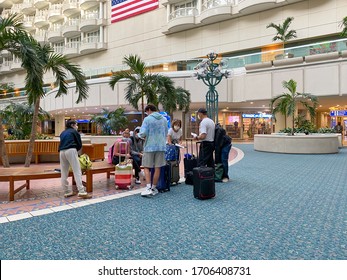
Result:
pixel 123 9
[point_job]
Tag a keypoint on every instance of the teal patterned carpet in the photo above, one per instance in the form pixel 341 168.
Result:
pixel 276 207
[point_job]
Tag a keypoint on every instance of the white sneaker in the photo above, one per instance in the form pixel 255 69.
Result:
pixel 137 181
pixel 225 180
pixel 154 191
pixel 69 194
pixel 147 192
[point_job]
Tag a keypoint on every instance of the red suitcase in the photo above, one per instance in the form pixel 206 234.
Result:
pixel 124 171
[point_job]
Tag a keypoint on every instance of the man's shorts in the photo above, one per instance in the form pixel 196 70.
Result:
pixel 153 159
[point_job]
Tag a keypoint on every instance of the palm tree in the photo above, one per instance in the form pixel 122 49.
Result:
pixel 173 98
pixel 109 121
pixel 286 103
pixel 283 34
pixel 59 65
pixel 344 26
pixel 18 42
pixel 18 116
pixel 155 88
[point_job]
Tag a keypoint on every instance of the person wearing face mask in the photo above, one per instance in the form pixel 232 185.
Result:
pixel 70 144
pixel 136 153
pixel 174 135
pixel 206 137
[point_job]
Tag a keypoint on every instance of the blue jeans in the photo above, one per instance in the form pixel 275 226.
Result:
pixel 225 158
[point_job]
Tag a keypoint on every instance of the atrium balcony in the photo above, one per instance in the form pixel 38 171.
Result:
pixel 91 22
pixel 41 36
pixel 5 53
pixel 6 4
pixel 72 49
pixel 28 23
pixel 28 7
pixel 71 29
pixel 40 4
pixel 41 21
pixel 55 13
pixel 5 67
pixel 71 8
pixel 215 11
pixel 16 65
pixel 87 4
pixel 92 45
pixel 55 35
pixel 181 19
pixel 255 6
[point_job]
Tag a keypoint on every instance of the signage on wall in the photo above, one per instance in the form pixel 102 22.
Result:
pixel 339 113
pixel 257 115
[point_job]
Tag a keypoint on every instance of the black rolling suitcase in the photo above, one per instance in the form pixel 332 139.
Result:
pixel 203 180
pixel 190 162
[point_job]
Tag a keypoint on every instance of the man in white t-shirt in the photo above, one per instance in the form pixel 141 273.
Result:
pixel 206 136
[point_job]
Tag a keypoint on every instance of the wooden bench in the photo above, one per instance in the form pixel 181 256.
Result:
pixel 15 148
pixel 37 172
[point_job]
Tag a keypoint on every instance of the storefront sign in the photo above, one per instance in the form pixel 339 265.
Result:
pixel 257 115
pixel 339 113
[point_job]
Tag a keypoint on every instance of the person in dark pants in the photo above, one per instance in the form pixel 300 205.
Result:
pixel 206 136
pixel 136 152
pixel 225 159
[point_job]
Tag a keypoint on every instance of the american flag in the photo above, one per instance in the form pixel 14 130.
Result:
pixel 123 9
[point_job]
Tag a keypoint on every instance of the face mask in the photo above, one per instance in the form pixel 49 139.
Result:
pixel 176 127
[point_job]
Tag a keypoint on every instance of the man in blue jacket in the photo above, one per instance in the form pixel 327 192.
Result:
pixel 70 144
pixel 154 130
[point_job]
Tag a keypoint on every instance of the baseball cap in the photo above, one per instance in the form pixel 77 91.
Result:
pixel 202 110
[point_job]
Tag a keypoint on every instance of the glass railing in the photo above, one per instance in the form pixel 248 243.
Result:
pixel 299 51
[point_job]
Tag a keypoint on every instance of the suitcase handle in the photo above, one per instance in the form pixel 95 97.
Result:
pixel 191 145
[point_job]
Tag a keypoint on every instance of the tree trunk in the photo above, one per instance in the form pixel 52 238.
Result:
pixel 4 157
pixel 142 107
pixel 293 123
pixel 33 133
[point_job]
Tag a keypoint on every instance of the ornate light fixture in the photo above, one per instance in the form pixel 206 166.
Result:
pixel 211 73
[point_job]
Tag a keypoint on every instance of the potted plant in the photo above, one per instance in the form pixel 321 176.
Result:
pixel 283 34
pixel 286 103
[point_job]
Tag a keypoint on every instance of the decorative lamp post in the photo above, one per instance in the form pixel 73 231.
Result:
pixel 211 74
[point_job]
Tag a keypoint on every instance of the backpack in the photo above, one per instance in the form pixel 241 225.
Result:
pixel 219 134
pixel 85 162
pixel 110 154
pixel 226 140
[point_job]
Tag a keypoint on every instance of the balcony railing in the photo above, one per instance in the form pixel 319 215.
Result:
pixel 183 12
pixel 299 51
pixel 91 39
pixel 209 4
